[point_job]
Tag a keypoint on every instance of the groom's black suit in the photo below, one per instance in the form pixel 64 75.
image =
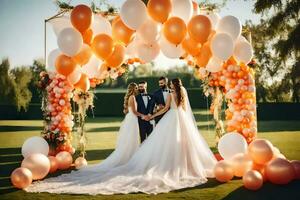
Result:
pixel 158 99
pixel 144 126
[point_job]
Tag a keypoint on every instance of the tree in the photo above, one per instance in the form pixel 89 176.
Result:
pixel 6 83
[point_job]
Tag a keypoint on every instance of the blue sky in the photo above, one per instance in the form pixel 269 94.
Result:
pixel 22 26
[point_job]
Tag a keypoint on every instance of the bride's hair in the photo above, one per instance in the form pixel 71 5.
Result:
pixel 131 90
pixel 179 92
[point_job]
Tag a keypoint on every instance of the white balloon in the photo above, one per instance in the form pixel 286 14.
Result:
pixel 243 52
pixel 182 9
pixel 170 50
pixel 222 46
pixel 241 39
pixel 101 25
pixel 231 144
pixel 34 145
pixel 133 13
pixel 148 52
pixel 69 41
pixel 131 49
pixel 75 76
pixel 214 65
pixel 214 19
pixel 149 31
pixel 50 67
pixel 92 67
pixel 231 25
pixel 60 23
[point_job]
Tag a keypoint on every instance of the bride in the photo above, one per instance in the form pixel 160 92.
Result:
pixel 174 156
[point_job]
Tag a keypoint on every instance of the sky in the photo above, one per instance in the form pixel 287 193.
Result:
pixel 22 27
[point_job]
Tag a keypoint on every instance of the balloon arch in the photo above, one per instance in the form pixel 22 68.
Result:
pixel 95 46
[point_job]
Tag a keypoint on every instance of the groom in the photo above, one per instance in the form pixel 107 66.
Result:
pixel 160 96
pixel 144 106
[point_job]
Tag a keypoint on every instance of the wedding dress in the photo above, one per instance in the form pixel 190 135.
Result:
pixel 173 157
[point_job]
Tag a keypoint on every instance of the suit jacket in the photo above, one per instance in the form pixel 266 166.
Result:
pixel 141 108
pixel 158 98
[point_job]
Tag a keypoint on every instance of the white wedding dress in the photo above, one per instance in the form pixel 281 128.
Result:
pixel 173 157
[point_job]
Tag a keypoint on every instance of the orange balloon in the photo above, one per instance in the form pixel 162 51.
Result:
pixel 83 56
pixel 205 54
pixel 87 36
pixel 191 46
pixel 199 28
pixel 296 165
pixel 83 83
pixel 64 160
pixel 117 57
pixel 21 177
pixel 261 151
pixel 253 180
pixel 175 30
pixel 241 164
pixel 81 17
pixel 53 164
pixel 195 7
pixel 102 46
pixel 280 171
pixel 121 33
pixel 223 171
pixel 159 10
pixel 65 65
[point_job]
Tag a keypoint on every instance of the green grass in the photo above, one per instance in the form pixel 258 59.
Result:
pixel 101 141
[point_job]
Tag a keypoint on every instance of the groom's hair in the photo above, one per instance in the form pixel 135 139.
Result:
pixel 163 78
pixel 143 82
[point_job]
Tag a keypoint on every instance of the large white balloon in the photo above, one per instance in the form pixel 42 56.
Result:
pixel 131 49
pixel 38 164
pixel 50 67
pixel 214 19
pixel 148 52
pixel 231 25
pixel 182 9
pixel 133 13
pixel 232 144
pixel 60 23
pixel 92 67
pixel 149 31
pixel 34 145
pixel 101 25
pixel 222 46
pixel 170 50
pixel 214 64
pixel 69 41
pixel 243 51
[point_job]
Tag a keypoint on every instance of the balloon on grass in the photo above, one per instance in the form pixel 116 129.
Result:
pixel 53 164
pixel 223 171
pixel 253 180
pixel 38 164
pixel 261 151
pixel 21 177
pixel 64 160
pixel 280 171
pixel 34 145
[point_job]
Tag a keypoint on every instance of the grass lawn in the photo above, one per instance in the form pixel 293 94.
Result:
pixel 102 136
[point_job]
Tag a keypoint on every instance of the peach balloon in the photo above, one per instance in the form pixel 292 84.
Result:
pixel 241 164
pixel 102 46
pixel 84 55
pixel 65 65
pixel 253 180
pixel 280 171
pixel 21 177
pixel 159 10
pixel 64 160
pixel 38 164
pixel 175 30
pixel 80 163
pixel 53 164
pixel 87 36
pixel 121 33
pixel 74 77
pixel 81 17
pixel 191 46
pixel 261 151
pixel 296 166
pixel 83 83
pixel 199 28
pixel 223 171
pixel 117 57
pixel 205 54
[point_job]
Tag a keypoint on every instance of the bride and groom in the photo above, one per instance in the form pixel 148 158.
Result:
pixel 174 155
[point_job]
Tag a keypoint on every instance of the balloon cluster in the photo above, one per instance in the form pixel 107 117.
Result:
pixel 257 163
pixel 58 114
pixel 37 163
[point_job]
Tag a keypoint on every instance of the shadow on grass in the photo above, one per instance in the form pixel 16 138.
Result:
pixel 268 191
pixel 20 128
